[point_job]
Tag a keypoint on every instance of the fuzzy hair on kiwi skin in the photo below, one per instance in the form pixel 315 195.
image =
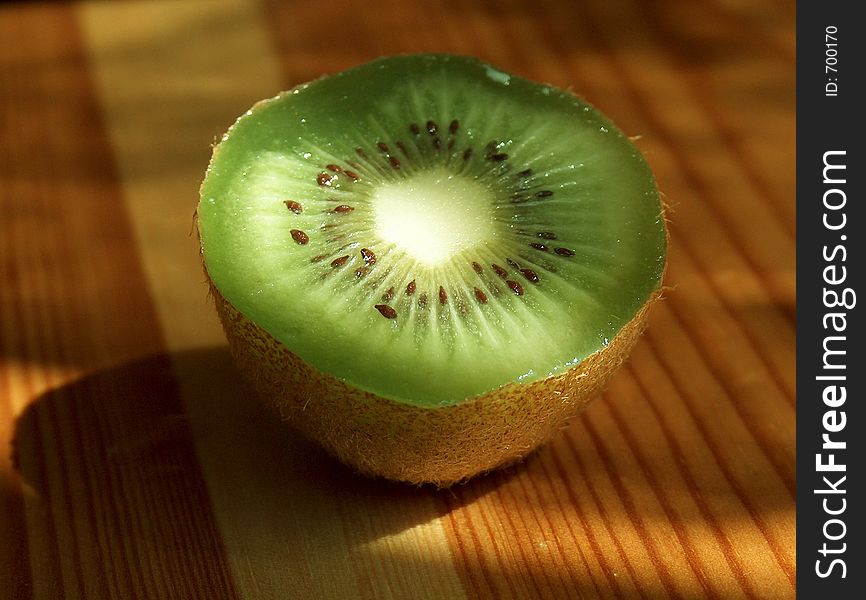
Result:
pixel 436 445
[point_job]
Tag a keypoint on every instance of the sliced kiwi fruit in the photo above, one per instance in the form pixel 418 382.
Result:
pixel 427 264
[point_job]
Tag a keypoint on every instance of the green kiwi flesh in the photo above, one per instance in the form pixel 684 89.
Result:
pixel 429 228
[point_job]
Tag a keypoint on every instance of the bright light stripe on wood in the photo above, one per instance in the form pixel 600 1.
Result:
pixel 168 89
pixel 286 529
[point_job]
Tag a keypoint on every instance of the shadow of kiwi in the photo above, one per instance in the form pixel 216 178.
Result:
pixel 127 465
pixel 170 464
pixel 15 575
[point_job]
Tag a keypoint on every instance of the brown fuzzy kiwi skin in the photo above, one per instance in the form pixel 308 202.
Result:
pixel 444 445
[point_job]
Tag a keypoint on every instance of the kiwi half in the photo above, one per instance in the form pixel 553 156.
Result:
pixel 427 264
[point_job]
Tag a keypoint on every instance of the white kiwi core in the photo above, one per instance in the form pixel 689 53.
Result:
pixel 434 214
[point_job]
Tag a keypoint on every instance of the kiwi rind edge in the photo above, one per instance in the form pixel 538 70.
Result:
pixel 441 446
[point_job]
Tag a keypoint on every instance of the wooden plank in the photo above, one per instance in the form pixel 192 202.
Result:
pixel 113 501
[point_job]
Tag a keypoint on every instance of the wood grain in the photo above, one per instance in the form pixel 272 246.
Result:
pixel 138 465
pixel 113 500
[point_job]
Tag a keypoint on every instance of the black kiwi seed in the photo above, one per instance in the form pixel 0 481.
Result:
pixel 515 287
pixel 395 162
pixel 323 179
pixel 339 262
pixel 410 288
pixel 481 296
pixel 432 128
pixel 368 256
pixel 467 154
pixel 547 235
pixel 538 246
pixel 319 258
pixel 564 252
pixel 530 275
pixel 293 206
pixel 343 208
pixel 443 295
pixel 452 129
pixel 360 152
pixel 352 175
pixel 383 147
pixel 544 194
pixel 512 263
pixel 361 272
pixel 499 271
pixel 525 173
pixel 498 157
pixel 478 268
pixel 389 295
pixel 300 237
pixel 334 168
pixel 387 311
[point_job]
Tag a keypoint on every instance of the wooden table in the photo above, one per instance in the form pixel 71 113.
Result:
pixel 134 462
